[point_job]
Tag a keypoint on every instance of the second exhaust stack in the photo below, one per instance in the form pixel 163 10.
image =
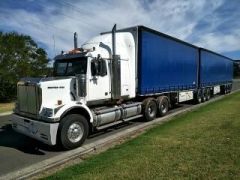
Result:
pixel 75 40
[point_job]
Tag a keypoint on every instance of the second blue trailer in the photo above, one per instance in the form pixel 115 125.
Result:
pixel 216 71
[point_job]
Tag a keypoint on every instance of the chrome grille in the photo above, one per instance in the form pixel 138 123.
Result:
pixel 29 98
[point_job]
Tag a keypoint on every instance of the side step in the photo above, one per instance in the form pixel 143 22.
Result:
pixel 118 122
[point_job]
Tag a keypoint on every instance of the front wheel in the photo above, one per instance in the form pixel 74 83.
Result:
pixel 73 130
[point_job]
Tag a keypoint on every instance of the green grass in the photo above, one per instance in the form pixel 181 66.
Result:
pixel 203 144
pixel 5 107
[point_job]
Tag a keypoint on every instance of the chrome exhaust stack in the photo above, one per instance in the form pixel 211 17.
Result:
pixel 75 40
pixel 115 68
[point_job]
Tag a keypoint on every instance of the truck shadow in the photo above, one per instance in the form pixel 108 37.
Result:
pixel 10 138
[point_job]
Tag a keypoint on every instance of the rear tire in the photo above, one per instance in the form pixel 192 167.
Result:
pixel 229 88
pixel 73 130
pixel 198 97
pixel 149 109
pixel 208 94
pixel 226 89
pixel 163 105
pixel 223 89
pixel 204 95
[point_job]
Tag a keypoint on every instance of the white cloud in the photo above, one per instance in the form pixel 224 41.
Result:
pixel 221 43
pixel 88 18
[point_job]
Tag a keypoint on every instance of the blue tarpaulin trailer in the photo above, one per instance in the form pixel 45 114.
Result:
pixel 215 69
pixel 165 63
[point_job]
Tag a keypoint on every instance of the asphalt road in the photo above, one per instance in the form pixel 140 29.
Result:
pixel 18 151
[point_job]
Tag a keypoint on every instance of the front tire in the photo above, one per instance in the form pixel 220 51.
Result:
pixel 73 130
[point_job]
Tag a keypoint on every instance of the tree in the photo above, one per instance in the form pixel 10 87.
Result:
pixel 19 57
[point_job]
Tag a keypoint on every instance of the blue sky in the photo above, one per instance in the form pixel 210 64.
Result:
pixel 212 24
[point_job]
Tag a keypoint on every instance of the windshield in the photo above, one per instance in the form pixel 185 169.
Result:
pixel 70 67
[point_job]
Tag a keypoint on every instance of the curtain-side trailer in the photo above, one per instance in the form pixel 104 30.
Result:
pixel 114 77
pixel 216 73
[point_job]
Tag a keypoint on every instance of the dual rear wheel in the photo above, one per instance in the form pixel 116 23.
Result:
pixel 202 95
pixel 155 107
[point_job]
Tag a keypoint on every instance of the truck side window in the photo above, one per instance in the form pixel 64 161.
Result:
pixel 98 67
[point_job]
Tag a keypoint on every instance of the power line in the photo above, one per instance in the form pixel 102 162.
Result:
pixel 60 12
pixel 63 14
pixel 77 9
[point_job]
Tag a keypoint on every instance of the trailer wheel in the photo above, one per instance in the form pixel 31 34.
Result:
pixel 228 88
pixel 198 97
pixel 73 130
pixel 223 89
pixel 208 94
pixel 163 105
pixel 149 109
pixel 204 95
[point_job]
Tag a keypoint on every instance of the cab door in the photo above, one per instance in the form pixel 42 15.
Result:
pixel 99 87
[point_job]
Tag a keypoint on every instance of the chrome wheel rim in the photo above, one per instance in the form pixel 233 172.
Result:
pixel 75 132
pixel 164 108
pixel 151 111
pixel 199 99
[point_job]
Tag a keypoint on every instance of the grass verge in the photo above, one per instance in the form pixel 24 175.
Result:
pixel 5 107
pixel 203 144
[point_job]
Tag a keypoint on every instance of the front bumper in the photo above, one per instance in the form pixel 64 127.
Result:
pixel 42 131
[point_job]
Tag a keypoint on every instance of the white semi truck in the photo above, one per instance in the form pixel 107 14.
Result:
pixel 114 77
